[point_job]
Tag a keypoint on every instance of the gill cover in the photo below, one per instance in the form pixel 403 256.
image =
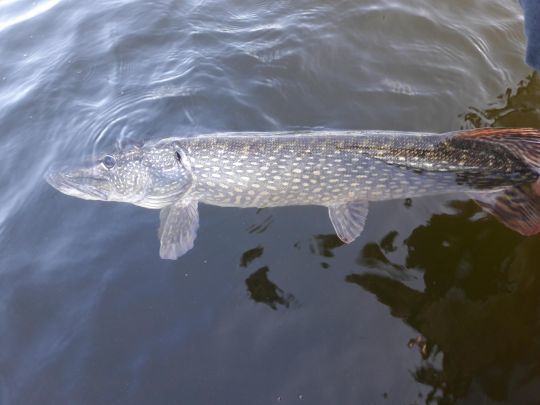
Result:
pixel 179 221
pixel 168 175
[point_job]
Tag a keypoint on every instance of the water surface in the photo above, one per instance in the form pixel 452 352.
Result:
pixel 434 303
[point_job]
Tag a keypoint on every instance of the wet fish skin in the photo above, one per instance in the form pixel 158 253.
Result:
pixel 261 170
pixel 342 170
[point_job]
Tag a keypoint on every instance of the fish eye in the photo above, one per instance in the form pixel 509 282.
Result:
pixel 178 156
pixel 108 161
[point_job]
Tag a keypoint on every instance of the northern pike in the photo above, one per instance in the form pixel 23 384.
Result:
pixel 341 170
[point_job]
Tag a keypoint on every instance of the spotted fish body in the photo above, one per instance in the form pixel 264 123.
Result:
pixel 325 168
pixel 341 170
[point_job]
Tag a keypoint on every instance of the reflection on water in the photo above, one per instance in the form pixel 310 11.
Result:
pixel 89 314
pixel 513 108
pixel 373 254
pixel 324 244
pixel 263 290
pixel 249 255
pixel 477 314
pixel 262 226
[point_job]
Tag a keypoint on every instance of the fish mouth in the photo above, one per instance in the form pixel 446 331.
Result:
pixel 80 183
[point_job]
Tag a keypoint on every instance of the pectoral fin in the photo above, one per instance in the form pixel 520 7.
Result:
pixel 178 229
pixel 516 207
pixel 349 219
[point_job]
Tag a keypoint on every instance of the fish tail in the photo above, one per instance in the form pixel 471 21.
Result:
pixel 517 207
pixel 524 143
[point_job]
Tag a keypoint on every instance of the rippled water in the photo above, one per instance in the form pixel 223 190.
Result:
pixel 435 303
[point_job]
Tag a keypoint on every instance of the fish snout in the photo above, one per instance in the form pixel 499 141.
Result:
pixel 81 183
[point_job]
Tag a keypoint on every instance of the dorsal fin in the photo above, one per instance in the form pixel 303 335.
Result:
pixel 524 143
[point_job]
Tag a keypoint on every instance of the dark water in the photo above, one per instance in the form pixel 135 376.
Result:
pixel 435 303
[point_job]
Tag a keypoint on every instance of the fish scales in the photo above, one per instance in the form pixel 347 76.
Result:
pixel 341 170
pixel 260 170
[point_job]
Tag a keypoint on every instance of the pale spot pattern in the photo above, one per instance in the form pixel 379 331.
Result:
pixel 321 168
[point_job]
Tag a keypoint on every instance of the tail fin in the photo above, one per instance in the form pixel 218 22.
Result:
pixel 516 207
pixel 522 142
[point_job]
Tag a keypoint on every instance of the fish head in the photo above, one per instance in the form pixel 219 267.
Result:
pixel 153 176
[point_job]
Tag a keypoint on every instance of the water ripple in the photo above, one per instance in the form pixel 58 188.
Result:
pixel 15 12
pixel 80 78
